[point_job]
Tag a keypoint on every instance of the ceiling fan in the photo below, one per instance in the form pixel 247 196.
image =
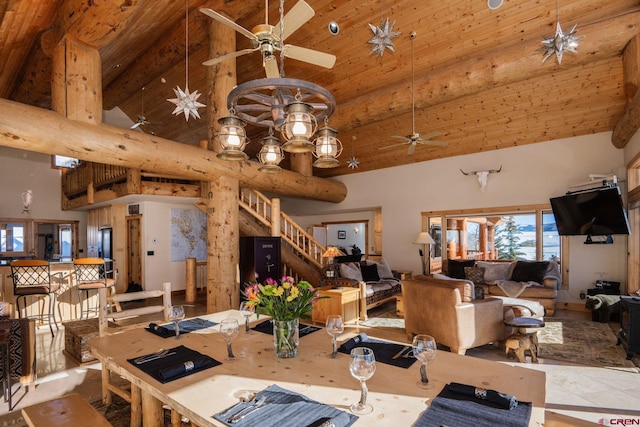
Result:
pixel 268 39
pixel 414 138
pixel 141 119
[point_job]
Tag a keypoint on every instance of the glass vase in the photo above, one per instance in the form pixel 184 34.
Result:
pixel 286 338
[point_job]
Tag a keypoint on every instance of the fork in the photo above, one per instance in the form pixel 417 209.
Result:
pixel 246 411
pixel 153 356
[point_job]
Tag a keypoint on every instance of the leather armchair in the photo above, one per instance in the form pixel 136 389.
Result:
pixel 446 310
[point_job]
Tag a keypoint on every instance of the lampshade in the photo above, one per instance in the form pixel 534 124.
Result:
pixel 424 238
pixel 331 252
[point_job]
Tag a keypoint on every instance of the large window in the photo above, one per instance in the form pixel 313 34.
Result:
pixel 516 232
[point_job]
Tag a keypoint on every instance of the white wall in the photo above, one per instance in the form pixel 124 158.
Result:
pixel 24 170
pixel 531 174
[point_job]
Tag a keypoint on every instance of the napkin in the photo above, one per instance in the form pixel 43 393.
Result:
pixel 285 408
pixel 453 408
pixel 385 352
pixel 492 397
pixel 179 362
pixel 186 326
pixel 267 328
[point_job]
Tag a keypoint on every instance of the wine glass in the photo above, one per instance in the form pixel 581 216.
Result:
pixel 247 310
pixel 362 366
pixel 176 314
pixel 229 329
pixel 424 349
pixel 334 327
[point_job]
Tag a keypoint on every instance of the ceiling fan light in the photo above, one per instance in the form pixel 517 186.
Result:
pixel 270 155
pixel 327 148
pixel 232 138
pixel 298 127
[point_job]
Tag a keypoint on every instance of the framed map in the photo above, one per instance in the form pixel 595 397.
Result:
pixel 188 234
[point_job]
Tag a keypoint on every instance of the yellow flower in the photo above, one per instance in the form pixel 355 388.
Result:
pixel 295 292
pixel 278 292
pixel 286 285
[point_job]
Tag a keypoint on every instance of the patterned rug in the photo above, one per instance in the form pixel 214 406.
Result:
pixel 583 342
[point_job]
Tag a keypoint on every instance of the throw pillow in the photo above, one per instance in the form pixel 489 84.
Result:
pixel 350 271
pixel 370 273
pixel 479 292
pixel 475 274
pixel 456 267
pixel 384 270
pixel 525 271
pixel 494 271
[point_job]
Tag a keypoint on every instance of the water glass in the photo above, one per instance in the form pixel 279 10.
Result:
pixel 334 328
pixel 424 349
pixel 362 366
pixel 229 329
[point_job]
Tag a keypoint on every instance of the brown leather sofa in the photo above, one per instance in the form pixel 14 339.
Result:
pixel 447 310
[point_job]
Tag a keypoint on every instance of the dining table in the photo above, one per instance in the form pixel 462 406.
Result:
pixel 393 391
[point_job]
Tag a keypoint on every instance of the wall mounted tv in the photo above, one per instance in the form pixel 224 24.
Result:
pixel 591 213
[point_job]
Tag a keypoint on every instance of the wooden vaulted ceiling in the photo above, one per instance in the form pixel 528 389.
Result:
pixel 479 75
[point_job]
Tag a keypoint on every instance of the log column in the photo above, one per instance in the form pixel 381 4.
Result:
pixel 221 199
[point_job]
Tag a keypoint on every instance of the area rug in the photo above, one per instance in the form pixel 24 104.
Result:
pixel 583 342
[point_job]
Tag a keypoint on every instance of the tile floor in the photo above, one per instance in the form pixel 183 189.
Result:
pixel 588 393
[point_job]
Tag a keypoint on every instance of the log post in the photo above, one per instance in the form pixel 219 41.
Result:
pixel 302 163
pixel 629 123
pixel 190 281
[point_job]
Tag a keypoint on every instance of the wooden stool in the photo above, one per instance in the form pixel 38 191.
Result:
pixel 525 338
pixel 70 410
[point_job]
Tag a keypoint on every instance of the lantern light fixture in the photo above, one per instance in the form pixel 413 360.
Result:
pixel 232 137
pixel 270 154
pixel 298 127
pixel 327 147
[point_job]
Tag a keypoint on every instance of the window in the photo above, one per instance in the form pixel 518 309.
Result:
pixel 60 162
pixel 12 238
pixel 516 232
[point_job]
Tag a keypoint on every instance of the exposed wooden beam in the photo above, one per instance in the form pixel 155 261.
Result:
pixel 497 67
pixel 629 123
pixel 35 129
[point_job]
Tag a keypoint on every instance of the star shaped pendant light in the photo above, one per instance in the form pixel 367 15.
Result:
pixel 353 162
pixel 382 37
pixel 186 103
pixel 561 42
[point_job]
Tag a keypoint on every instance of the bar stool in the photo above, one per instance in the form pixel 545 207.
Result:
pixel 32 277
pixel 5 360
pixel 91 275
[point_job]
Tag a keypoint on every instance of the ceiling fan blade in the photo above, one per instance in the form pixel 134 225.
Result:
pixel 228 22
pixel 412 148
pixel 136 125
pixel 271 67
pixel 311 56
pixel 431 134
pixel 400 137
pixel 219 59
pixel 436 143
pixel 391 146
pixel 300 13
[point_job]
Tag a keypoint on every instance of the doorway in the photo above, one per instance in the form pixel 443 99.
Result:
pixel 134 251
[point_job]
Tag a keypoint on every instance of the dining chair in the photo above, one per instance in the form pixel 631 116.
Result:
pixel 91 274
pixel 32 278
pixel 110 322
pixel 18 355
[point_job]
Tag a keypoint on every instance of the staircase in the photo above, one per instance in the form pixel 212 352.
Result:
pixel 301 253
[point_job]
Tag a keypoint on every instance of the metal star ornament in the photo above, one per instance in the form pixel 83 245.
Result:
pixel 382 37
pixel 560 43
pixel 186 103
pixel 353 162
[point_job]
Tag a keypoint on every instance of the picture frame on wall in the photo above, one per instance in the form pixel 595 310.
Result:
pixel 342 234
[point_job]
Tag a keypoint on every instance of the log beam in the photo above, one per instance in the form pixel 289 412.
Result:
pixel 629 123
pixel 43 131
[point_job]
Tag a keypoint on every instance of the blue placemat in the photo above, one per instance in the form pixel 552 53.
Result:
pixel 267 328
pixel 179 362
pixel 385 352
pixel 285 408
pixel 186 326
pixel 452 408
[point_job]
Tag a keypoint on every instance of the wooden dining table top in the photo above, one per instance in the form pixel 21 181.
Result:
pixel 393 392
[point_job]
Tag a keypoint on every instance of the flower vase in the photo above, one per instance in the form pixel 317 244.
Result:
pixel 286 338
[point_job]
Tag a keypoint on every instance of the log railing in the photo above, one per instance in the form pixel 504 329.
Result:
pixel 88 174
pixel 264 209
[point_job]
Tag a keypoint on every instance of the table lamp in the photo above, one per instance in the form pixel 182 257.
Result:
pixel 330 253
pixel 425 239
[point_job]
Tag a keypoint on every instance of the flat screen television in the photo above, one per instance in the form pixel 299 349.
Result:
pixel 593 213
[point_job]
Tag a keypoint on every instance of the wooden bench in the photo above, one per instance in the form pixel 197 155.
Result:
pixel 70 410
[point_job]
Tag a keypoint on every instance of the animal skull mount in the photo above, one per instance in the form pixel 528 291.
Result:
pixel 482 176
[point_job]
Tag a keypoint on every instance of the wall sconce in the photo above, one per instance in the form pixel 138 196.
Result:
pixel 232 137
pixel 270 154
pixel 27 197
pixel 327 147
pixel 298 127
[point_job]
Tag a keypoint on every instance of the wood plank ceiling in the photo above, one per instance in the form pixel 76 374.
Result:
pixel 479 76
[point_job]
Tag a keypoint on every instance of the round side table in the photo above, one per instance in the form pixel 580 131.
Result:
pixel 525 338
